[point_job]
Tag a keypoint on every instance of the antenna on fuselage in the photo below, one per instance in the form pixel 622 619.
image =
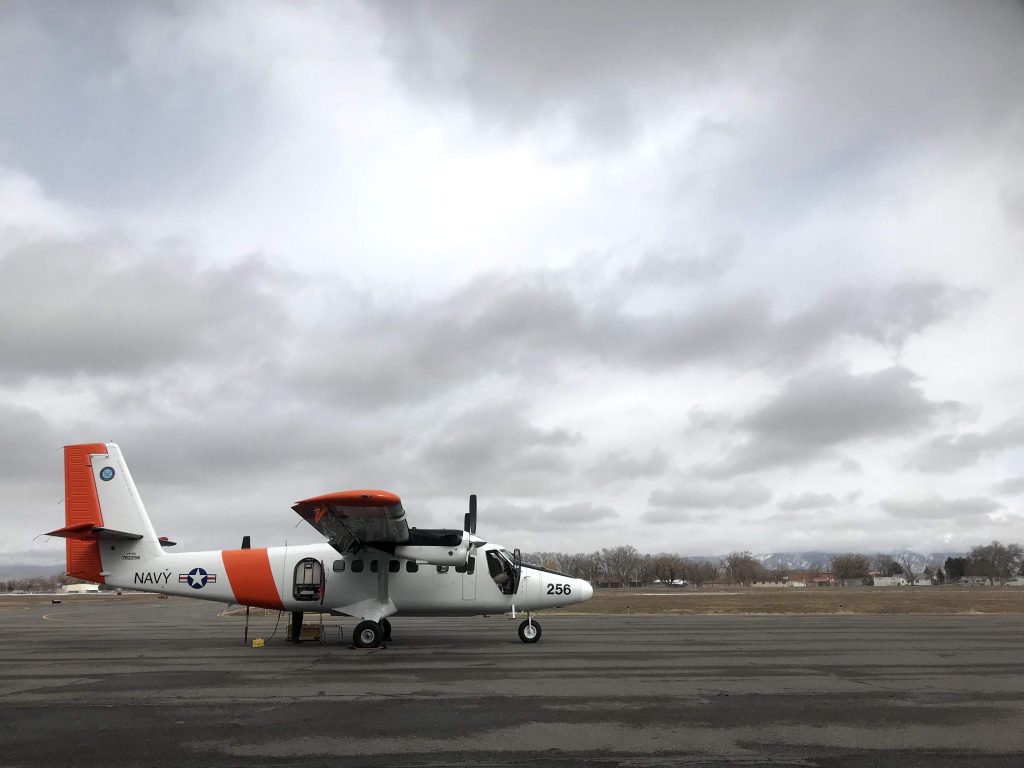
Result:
pixel 246 542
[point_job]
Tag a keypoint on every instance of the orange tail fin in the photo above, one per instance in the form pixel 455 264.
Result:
pixel 81 508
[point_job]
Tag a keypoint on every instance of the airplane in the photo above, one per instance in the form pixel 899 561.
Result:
pixel 372 566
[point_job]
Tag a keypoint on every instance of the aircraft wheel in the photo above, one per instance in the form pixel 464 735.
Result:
pixel 529 631
pixel 385 626
pixel 367 634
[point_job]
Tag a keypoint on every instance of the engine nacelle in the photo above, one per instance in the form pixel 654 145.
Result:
pixel 452 553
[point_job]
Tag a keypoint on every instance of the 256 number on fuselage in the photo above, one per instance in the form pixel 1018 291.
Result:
pixel 559 589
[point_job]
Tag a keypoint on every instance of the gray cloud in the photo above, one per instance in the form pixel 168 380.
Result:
pixel 495 449
pixel 1011 486
pixel 25 437
pixel 619 466
pixel 533 325
pixel 580 513
pixel 542 519
pixel 741 495
pixel 950 452
pixel 106 306
pixel 673 267
pixel 99 93
pixel 1012 199
pixel 808 501
pixel 937 507
pixel 668 516
pixel 844 70
pixel 816 412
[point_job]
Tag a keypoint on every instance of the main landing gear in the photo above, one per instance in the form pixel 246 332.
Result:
pixel 529 631
pixel 370 634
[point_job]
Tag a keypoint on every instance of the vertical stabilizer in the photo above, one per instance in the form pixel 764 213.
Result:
pixel 120 505
pixel 102 508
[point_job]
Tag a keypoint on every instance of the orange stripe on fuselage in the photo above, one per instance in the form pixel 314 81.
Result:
pixel 251 579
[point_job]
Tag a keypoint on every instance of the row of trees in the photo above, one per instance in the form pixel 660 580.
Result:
pixel 48 583
pixel 624 565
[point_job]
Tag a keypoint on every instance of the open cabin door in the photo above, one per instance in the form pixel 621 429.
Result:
pixel 308 584
pixel 505 570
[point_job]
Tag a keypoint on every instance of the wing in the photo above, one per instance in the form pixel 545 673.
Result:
pixel 351 518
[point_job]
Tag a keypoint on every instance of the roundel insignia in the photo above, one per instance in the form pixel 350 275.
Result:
pixel 107 473
pixel 197 578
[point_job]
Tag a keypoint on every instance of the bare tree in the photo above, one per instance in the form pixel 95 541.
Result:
pixel 995 560
pixel 667 568
pixel 699 572
pixel 905 561
pixel 590 566
pixel 742 567
pixel 644 571
pixel 620 563
pixel 887 565
pixel 850 566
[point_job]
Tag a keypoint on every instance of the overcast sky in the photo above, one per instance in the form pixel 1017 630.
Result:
pixel 691 276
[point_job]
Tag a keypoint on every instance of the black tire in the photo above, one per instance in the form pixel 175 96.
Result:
pixel 529 631
pixel 385 626
pixel 367 634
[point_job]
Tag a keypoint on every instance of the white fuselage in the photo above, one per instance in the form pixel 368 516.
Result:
pixel 370 584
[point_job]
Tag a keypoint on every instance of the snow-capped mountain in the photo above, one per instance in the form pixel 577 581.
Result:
pixel 800 561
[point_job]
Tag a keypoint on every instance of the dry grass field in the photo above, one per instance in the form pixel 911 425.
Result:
pixel 782 600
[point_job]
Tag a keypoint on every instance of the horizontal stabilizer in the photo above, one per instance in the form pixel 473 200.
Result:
pixel 90 532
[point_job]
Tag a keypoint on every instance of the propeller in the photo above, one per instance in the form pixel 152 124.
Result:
pixel 469 521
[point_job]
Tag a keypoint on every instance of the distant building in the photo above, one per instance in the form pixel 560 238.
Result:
pixel 74 589
pixel 823 579
pixel 891 581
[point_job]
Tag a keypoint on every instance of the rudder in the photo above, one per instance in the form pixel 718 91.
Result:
pixel 82 511
pixel 101 503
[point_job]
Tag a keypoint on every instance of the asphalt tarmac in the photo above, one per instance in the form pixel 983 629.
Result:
pixel 169 683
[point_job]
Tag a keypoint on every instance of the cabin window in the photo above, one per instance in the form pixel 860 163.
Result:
pixel 394 566
pixel 374 566
pixel 411 567
pixel 339 566
pixel 309 580
pixel 357 566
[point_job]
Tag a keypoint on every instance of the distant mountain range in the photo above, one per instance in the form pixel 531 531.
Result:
pixel 800 561
pixel 30 571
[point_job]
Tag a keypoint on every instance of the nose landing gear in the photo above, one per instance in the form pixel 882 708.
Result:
pixel 529 631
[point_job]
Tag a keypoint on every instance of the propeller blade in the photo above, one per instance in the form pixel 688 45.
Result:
pixel 471 516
